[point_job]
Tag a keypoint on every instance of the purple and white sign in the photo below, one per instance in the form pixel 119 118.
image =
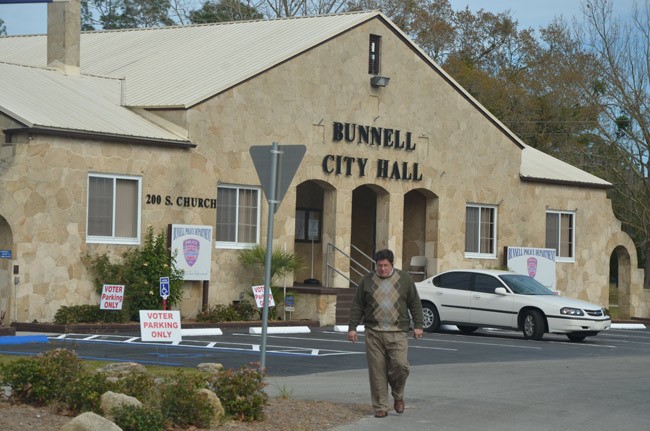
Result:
pixel 538 263
pixel 532 266
pixel 193 247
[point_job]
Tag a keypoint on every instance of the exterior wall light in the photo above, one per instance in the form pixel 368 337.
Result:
pixel 379 81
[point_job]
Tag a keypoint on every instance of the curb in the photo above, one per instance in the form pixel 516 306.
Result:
pixel 628 326
pixel 344 328
pixel 280 330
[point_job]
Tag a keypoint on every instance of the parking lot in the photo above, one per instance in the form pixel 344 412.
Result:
pixel 324 349
pixel 490 380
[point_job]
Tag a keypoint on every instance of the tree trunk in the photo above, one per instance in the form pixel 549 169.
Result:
pixel 646 267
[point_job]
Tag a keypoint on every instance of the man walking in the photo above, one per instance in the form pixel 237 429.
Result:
pixel 383 300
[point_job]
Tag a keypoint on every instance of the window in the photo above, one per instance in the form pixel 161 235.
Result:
pixel 485 283
pixel 238 215
pixel 560 234
pixel 454 280
pixel 374 54
pixel 308 225
pixel 113 209
pixel 480 231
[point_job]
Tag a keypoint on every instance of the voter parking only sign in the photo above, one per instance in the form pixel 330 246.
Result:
pixel 112 297
pixel 258 293
pixel 156 325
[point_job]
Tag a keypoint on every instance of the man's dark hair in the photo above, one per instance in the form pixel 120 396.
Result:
pixel 384 254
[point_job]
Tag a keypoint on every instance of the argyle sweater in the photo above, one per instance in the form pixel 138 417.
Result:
pixel 383 304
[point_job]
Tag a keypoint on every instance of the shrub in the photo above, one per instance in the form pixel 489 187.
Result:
pixel 182 404
pixel 140 271
pixel 56 376
pixel 87 314
pixel 83 393
pixel 20 374
pixel 133 418
pixel 137 385
pixel 239 311
pixel 241 392
pixel 42 380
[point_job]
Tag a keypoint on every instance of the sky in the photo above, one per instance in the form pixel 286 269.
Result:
pixel 32 18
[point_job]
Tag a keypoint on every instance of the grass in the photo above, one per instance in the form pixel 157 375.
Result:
pixel 154 370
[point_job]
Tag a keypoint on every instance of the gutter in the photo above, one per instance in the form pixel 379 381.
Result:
pixel 565 183
pixel 96 136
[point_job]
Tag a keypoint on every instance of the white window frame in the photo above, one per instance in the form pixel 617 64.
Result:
pixel 558 255
pixel 236 244
pixel 479 255
pixel 98 239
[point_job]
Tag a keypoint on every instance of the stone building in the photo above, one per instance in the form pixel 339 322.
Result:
pixel 159 123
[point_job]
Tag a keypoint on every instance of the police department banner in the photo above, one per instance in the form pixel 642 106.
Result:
pixel 193 247
pixel 538 263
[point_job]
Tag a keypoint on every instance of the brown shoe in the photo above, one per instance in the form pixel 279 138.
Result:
pixel 381 414
pixel 399 406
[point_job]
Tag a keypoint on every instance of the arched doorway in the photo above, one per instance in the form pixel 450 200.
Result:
pixel 420 234
pixel 6 270
pixel 619 283
pixel 311 229
pixel 369 227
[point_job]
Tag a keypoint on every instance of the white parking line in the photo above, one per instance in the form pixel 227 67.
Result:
pixel 342 340
pixel 196 344
pixel 433 348
pixel 484 344
pixel 579 344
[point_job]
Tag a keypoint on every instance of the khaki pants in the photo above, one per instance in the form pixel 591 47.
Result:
pixel 387 365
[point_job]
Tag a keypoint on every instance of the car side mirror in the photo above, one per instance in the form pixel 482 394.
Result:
pixel 500 291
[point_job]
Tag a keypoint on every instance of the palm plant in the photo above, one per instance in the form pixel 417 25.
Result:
pixel 282 263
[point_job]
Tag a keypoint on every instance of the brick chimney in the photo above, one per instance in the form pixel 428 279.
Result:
pixel 64 35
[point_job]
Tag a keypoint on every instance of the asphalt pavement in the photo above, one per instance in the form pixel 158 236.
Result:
pixel 486 381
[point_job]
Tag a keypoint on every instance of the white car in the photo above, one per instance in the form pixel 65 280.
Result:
pixel 477 298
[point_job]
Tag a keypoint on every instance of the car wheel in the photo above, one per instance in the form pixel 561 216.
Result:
pixel 466 329
pixel 576 337
pixel 533 326
pixel 431 317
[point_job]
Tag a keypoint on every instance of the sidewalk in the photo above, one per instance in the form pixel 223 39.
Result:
pixel 538 395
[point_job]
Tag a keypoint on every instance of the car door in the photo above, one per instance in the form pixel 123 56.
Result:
pixel 453 295
pixel 489 308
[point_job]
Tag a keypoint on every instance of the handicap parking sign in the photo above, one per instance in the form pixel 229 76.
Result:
pixel 164 287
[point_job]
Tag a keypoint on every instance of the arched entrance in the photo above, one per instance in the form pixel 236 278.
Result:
pixel 420 228
pixel 6 285
pixel 369 228
pixel 312 230
pixel 619 283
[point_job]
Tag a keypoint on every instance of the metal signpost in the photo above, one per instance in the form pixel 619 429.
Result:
pixel 275 165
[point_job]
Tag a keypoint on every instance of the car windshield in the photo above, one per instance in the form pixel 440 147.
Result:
pixel 525 285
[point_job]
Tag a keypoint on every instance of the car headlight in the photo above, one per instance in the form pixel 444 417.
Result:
pixel 568 311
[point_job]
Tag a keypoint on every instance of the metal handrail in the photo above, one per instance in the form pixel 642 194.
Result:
pixel 331 248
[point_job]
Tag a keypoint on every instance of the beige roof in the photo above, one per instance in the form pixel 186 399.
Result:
pixel 44 98
pixel 539 166
pixel 181 66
